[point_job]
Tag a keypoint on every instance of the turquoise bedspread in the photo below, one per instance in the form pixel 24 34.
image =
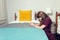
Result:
pixel 27 33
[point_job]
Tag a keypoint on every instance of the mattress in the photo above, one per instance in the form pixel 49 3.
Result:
pixel 21 32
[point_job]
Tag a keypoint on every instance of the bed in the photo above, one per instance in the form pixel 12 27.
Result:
pixel 21 32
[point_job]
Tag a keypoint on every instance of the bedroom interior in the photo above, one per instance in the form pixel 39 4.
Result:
pixel 19 13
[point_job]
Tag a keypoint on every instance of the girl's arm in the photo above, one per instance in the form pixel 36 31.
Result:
pixel 37 25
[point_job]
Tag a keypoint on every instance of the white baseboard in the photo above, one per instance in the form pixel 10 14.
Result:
pixel 2 21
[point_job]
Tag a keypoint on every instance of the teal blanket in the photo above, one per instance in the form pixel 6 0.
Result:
pixel 23 33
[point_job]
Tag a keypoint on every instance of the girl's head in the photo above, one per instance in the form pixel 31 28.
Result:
pixel 41 16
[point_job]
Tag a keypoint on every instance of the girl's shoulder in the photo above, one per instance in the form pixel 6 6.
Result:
pixel 48 18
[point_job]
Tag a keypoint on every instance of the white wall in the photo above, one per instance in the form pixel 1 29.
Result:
pixel 35 5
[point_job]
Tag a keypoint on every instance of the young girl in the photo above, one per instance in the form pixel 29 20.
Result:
pixel 45 24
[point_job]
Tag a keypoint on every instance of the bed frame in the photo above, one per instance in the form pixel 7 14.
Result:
pixel 57 15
